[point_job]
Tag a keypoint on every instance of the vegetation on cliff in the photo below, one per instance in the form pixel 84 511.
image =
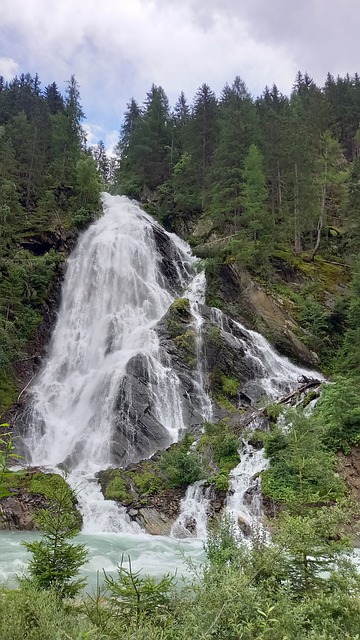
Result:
pixel 49 186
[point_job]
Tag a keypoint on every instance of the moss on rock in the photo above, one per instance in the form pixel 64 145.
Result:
pixel 30 490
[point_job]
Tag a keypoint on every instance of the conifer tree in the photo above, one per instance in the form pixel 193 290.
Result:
pixel 203 135
pixel 237 130
pixel 254 194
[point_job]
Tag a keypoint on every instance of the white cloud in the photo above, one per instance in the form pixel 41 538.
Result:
pixel 8 68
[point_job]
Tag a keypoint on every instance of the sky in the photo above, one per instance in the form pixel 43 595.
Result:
pixel 118 48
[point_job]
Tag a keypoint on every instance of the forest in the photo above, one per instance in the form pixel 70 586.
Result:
pixel 269 186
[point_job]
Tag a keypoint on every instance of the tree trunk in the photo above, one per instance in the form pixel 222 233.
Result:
pixel 322 210
pixel 297 236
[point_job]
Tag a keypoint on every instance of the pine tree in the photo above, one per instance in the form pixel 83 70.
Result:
pixel 203 135
pixel 237 130
pixel 331 176
pixel 254 194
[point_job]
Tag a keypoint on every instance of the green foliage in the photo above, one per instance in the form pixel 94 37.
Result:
pixel 222 544
pixel 229 386
pixel 147 482
pixel 47 183
pixel 30 614
pixel 301 471
pixel 315 543
pixel 213 335
pixel 301 586
pixel 254 193
pixel 273 411
pixel 181 466
pixel 337 414
pixel 180 304
pixel 138 597
pixel 7 454
pixel 186 342
pixel 55 561
pixel 178 317
pixel 116 489
pixel 225 389
pixel 219 447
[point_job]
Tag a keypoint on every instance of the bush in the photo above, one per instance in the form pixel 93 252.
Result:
pixel 181 467
pixel 301 471
pixel 337 414
pixel 30 614
pixel 117 490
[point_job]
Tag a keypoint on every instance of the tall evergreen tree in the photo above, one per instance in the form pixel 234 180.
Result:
pixel 203 135
pixel 237 130
pixel 254 194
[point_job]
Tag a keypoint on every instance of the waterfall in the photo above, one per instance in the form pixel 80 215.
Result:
pixel 118 285
pixel 108 393
pixel 243 503
pixel 196 295
pixel 194 511
pixel 275 374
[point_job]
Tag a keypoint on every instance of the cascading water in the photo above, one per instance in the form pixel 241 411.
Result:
pixel 192 520
pixel 115 291
pixel 275 374
pixel 108 393
pixel 196 296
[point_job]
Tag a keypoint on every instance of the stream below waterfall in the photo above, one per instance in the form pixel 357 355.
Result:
pixel 87 410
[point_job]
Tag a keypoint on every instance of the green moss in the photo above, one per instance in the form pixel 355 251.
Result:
pixel 180 304
pixel 186 342
pixel 117 490
pixel 48 485
pixel 13 479
pixel 178 317
pixel 43 484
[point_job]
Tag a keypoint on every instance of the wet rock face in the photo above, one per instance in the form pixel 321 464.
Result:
pixel 159 515
pixel 137 431
pixel 169 262
pixel 247 302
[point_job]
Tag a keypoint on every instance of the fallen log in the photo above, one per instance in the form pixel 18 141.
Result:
pixel 309 383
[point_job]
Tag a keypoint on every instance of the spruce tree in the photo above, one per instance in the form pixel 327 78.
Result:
pixel 55 561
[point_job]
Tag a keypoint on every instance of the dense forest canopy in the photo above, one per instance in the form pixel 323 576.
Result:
pixel 269 181
pixel 275 169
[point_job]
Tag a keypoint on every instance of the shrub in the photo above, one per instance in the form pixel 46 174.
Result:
pixel 181 467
